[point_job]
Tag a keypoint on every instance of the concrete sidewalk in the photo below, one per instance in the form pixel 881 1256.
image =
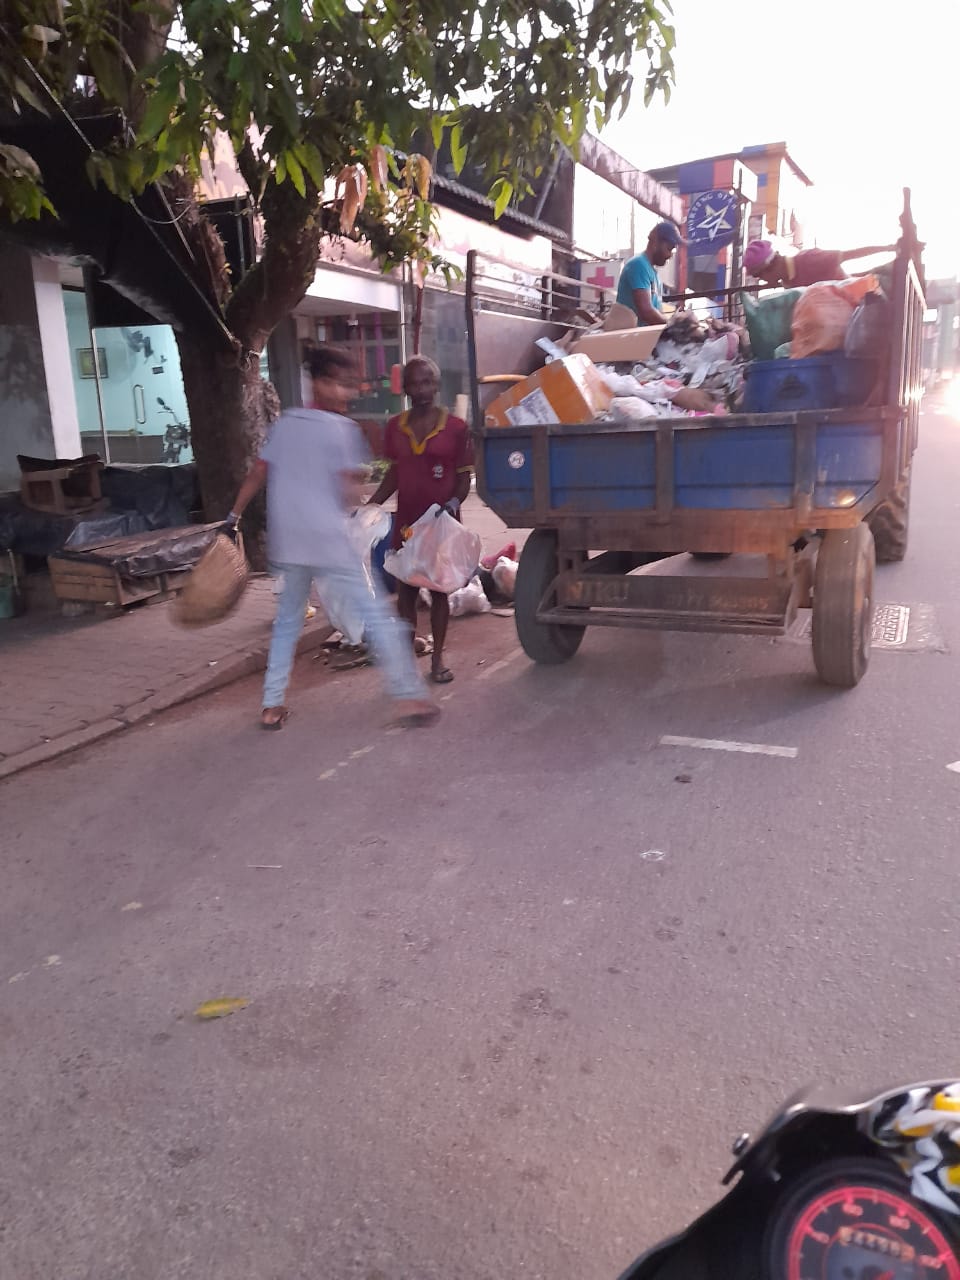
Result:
pixel 66 682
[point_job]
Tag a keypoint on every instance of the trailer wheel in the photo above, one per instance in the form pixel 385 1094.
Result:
pixel 843 605
pixel 544 642
pixel 890 524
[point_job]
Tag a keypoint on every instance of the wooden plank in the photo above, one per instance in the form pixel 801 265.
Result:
pixel 76 580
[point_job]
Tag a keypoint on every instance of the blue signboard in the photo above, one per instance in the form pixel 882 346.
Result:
pixel 712 220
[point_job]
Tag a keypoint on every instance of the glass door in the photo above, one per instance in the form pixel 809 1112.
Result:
pixel 130 400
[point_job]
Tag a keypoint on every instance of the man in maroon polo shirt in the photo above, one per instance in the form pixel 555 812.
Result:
pixel 431 461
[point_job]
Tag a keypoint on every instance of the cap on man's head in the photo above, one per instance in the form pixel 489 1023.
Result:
pixel 667 231
pixel 757 255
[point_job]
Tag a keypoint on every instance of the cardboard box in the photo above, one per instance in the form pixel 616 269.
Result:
pixel 568 390
pixel 620 344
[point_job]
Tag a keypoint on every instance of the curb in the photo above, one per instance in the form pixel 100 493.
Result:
pixel 227 671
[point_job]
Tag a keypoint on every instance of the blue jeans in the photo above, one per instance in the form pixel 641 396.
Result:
pixel 389 636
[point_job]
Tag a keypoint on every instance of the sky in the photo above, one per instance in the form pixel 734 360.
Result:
pixel 866 97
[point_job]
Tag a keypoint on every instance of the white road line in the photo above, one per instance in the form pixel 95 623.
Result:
pixel 499 666
pixel 718 744
pixel 955 767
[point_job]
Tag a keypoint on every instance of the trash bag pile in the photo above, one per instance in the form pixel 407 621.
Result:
pixel 696 368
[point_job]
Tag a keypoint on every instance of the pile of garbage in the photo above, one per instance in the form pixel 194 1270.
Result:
pixel 696 368
pixel 834 315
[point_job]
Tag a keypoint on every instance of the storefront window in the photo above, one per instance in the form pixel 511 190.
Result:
pixel 131 405
pixel 375 338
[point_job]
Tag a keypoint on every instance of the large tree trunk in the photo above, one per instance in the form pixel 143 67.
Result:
pixel 230 404
pixel 231 407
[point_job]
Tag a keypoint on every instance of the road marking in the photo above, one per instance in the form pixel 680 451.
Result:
pixel 955 767
pixel 718 744
pixel 499 666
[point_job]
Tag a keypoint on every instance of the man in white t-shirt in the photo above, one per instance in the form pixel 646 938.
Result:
pixel 312 465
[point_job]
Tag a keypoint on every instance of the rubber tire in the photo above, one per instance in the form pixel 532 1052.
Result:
pixel 828 1174
pixel 843 605
pixel 545 643
pixel 890 524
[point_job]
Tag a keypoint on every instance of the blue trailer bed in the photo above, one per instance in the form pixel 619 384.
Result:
pixel 808 490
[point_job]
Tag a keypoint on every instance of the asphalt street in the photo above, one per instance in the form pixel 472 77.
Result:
pixel 514 982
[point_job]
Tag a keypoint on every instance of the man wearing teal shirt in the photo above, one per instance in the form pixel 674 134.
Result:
pixel 639 287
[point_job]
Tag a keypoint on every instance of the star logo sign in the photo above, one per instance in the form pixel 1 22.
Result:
pixel 715 221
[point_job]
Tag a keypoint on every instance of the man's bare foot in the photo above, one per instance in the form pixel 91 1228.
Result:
pixel 414 713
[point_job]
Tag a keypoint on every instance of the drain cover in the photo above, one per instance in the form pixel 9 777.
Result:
pixel 902 627
pixel 890 624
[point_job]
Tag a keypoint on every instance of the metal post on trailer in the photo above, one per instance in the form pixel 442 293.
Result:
pixel 471 301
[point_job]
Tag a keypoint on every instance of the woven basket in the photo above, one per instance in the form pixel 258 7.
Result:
pixel 215 585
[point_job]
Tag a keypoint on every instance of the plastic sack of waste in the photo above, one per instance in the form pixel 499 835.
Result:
pixel 631 409
pixel 469 599
pixel 365 528
pixel 821 316
pixel 868 333
pixel 621 384
pixel 439 553
pixel 769 320
pixel 505 577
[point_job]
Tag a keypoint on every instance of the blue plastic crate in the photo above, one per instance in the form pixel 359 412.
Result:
pixel 828 381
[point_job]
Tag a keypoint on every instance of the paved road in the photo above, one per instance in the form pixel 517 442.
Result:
pixel 513 983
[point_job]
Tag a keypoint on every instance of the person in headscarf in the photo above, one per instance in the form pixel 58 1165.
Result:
pixel 809 266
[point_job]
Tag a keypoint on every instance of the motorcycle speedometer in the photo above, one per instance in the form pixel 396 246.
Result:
pixel 851 1224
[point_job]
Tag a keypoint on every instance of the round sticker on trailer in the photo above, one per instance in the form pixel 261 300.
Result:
pixel 516 460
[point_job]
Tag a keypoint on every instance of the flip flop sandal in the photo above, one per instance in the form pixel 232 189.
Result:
pixel 347 657
pixel 443 676
pixel 274 725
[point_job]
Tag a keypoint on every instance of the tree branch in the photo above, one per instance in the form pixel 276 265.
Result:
pixel 274 285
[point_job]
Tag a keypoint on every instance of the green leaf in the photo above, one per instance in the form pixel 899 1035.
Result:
pixel 23 90
pixel 503 188
pixel 280 171
pixel 458 152
pixel 220 1008
pixel 436 130
pixel 106 71
pixel 312 162
pixel 159 109
pixel 295 173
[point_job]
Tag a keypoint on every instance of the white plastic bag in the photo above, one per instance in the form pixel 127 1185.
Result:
pixel 469 599
pixel 631 409
pixel 440 554
pixel 505 577
pixel 365 528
